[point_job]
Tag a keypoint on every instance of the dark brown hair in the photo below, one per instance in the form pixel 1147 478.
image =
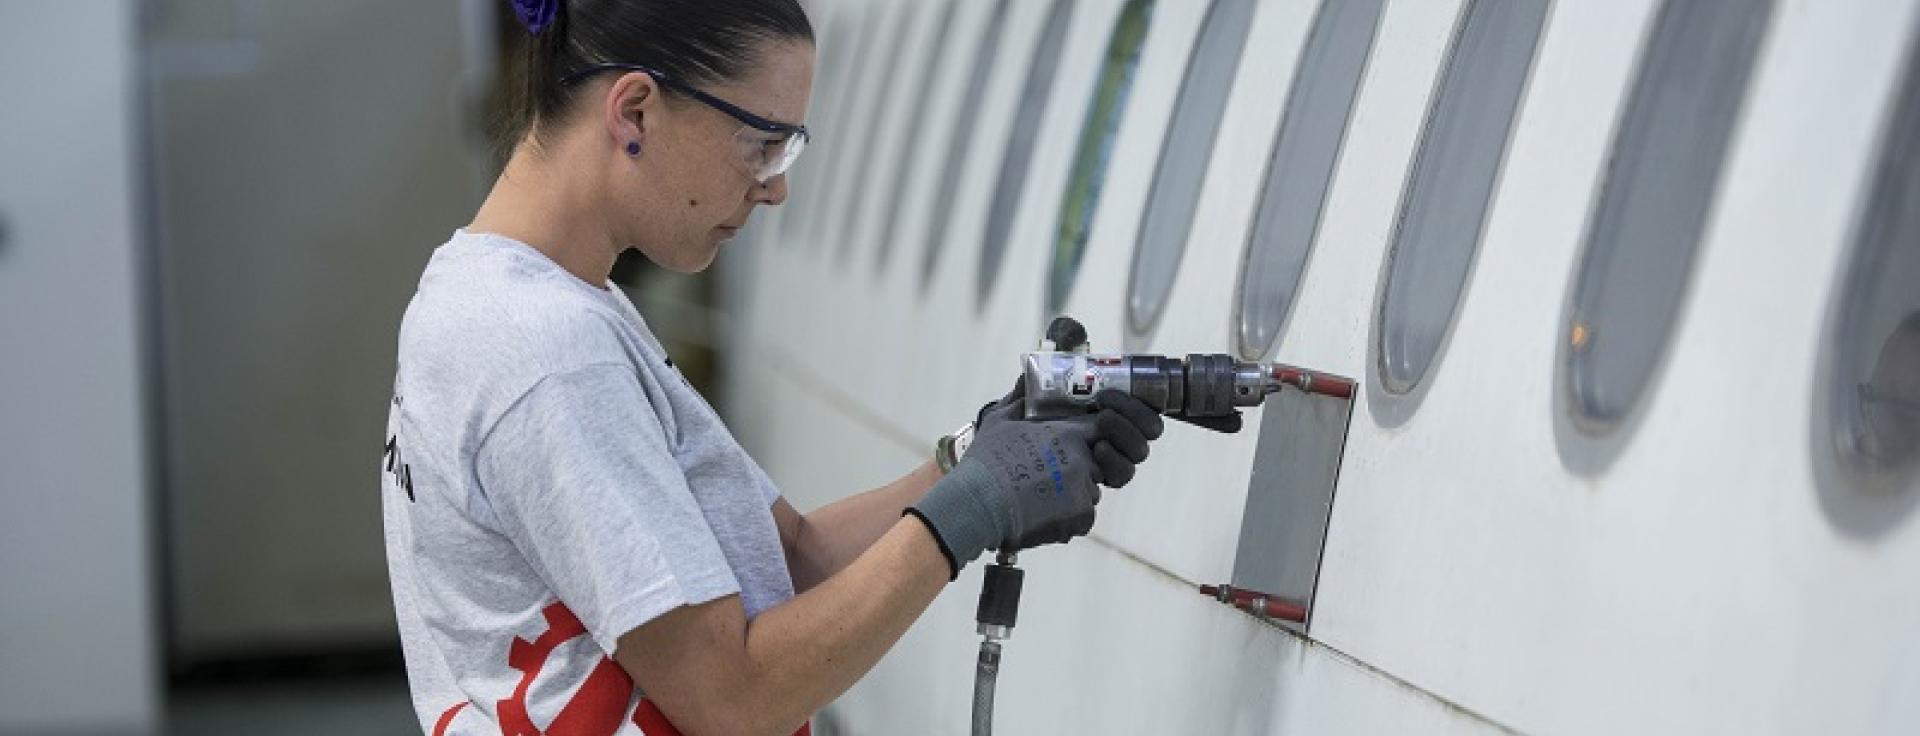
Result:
pixel 696 41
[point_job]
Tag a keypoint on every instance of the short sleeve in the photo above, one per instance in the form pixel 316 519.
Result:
pixel 580 476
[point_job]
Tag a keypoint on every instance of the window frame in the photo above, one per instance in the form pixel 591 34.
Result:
pixel 1184 161
pixel 1272 229
pixel 1112 94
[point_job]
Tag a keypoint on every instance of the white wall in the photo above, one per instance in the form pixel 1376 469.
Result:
pixel 76 642
pixel 1472 581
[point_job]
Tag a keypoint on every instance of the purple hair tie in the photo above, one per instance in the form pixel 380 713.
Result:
pixel 536 14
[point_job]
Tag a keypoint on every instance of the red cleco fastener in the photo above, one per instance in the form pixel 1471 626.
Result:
pixel 1257 603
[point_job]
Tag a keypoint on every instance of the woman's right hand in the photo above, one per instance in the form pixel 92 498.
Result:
pixel 1026 483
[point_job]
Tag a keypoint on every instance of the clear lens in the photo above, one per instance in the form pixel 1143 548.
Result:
pixel 766 155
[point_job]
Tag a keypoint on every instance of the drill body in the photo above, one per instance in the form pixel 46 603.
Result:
pixel 1197 387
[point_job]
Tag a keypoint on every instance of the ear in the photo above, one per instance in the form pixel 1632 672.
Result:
pixel 629 108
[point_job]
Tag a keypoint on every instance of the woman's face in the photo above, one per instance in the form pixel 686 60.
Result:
pixel 692 188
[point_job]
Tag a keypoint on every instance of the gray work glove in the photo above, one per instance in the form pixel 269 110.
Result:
pixel 1026 483
pixel 1013 406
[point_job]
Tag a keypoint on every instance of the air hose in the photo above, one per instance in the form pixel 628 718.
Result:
pixel 999 607
pixel 983 681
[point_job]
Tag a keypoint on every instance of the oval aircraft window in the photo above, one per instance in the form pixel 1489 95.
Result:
pixel 1184 156
pixel 1015 163
pixel 854 117
pixel 1885 435
pixel 836 51
pixel 1451 188
pixel 1874 355
pixel 1652 212
pixel 949 175
pixel 1095 150
pixel 896 27
pixel 1301 169
pixel 904 154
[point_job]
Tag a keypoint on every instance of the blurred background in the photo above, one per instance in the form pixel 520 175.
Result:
pixel 212 214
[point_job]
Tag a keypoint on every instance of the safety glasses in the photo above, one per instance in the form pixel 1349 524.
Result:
pixel 765 148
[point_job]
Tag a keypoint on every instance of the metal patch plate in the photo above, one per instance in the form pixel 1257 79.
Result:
pixel 1290 497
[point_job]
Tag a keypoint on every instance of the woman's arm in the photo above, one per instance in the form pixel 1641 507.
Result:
pixel 712 671
pixel 826 541
pixel 831 538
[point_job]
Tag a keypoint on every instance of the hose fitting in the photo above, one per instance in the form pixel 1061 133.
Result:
pixel 999 609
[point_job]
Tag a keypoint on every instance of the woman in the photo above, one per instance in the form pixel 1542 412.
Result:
pixel 577 545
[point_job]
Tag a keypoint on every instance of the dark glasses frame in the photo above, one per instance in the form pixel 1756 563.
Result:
pixel 667 80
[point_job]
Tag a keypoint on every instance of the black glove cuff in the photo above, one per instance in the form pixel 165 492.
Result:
pixel 953 565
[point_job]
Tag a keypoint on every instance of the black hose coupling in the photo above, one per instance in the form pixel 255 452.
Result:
pixel 1000 597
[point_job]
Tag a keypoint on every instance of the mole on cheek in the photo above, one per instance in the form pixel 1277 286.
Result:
pixel 693 202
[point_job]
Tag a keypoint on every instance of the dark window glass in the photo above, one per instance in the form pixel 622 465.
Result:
pixel 1301 170
pixel 904 153
pixel 1095 151
pixel 1019 155
pixel 836 54
pixel 844 189
pixel 1183 159
pixel 949 175
pixel 1652 212
pixel 851 123
pixel 1875 352
pixel 1450 190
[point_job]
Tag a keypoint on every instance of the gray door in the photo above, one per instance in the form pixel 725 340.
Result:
pixel 312 155
pixel 76 644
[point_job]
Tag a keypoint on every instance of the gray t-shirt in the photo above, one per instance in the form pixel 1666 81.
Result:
pixel 551 482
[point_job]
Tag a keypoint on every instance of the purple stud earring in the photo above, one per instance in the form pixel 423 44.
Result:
pixel 633 148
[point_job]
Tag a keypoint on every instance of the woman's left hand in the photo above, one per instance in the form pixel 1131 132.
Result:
pixel 1012 407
